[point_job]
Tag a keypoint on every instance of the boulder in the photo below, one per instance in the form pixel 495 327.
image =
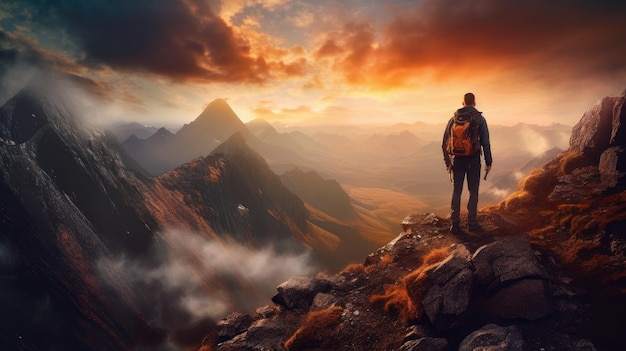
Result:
pixel 527 299
pixel 264 334
pixel 513 281
pixel 425 344
pixel 449 291
pixel 612 166
pixel 493 337
pixel 323 301
pixel 506 260
pixel 267 330
pixel 592 134
pixel 298 292
pixel 234 324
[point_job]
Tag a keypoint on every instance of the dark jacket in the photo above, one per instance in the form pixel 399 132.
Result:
pixel 483 134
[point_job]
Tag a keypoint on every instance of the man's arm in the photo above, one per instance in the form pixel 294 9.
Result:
pixel 444 145
pixel 485 143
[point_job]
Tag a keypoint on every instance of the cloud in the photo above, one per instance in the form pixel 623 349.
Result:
pixel 452 38
pixel 199 281
pixel 183 40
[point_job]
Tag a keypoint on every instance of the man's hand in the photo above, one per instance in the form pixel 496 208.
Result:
pixel 487 168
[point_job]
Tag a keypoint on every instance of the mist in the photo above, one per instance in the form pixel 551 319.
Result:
pixel 199 281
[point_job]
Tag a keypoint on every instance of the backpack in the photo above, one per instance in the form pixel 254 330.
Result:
pixel 463 138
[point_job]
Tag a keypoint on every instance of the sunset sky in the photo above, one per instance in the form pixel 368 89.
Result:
pixel 160 62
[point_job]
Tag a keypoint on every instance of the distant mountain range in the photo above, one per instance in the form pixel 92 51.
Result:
pixel 404 158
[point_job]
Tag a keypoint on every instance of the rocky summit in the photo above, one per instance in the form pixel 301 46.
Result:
pixel 547 272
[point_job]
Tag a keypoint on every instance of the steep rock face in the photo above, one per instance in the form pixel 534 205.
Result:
pixel 600 138
pixel 66 202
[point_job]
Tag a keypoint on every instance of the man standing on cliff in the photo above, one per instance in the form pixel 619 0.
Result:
pixel 466 135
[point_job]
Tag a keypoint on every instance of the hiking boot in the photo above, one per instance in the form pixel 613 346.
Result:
pixel 455 228
pixel 475 227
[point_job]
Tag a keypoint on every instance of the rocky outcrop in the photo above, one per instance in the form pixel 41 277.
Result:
pixel 506 295
pixel 600 137
pixel 299 292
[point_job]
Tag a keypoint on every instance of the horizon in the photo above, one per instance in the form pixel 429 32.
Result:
pixel 283 127
pixel 323 63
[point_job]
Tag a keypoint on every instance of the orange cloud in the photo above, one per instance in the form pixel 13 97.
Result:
pixel 448 38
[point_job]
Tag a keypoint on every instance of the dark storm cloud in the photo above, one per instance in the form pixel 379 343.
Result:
pixel 183 40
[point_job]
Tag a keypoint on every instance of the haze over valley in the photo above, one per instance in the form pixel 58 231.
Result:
pixel 375 165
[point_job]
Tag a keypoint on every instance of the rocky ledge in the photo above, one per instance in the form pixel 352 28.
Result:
pixel 426 290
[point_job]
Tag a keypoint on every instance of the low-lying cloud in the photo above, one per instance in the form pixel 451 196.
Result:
pixel 199 281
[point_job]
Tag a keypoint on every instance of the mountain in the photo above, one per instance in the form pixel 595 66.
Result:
pixel 66 203
pixel 125 130
pixel 325 195
pixel 547 272
pixel 165 151
pixel 94 255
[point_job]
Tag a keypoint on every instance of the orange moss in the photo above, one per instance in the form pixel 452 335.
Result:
pixel 318 327
pixel 396 298
pixel 385 261
pixel 569 161
pixel 576 234
pixel 369 269
pixel 359 268
pixel 572 249
pixel 405 296
pixel 355 268
pixel 435 256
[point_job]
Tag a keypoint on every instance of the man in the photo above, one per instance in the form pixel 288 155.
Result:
pixel 468 162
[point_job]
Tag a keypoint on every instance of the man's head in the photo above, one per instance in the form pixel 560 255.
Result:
pixel 469 100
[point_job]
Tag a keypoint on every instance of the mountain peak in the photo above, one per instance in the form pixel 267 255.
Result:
pixel 218 109
pixel 218 122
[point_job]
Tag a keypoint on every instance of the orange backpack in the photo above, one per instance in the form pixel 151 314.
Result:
pixel 463 139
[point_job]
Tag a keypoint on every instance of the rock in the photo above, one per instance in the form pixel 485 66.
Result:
pixel 525 299
pixel 266 311
pixel 584 345
pixel 425 344
pixel 618 133
pixel 267 330
pixel 612 166
pixel 322 301
pixel 506 260
pixel 419 219
pixel 493 337
pixel 234 324
pixel 591 135
pixel 513 280
pixel 298 292
pixel 415 332
pixel 264 334
pixel 449 291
